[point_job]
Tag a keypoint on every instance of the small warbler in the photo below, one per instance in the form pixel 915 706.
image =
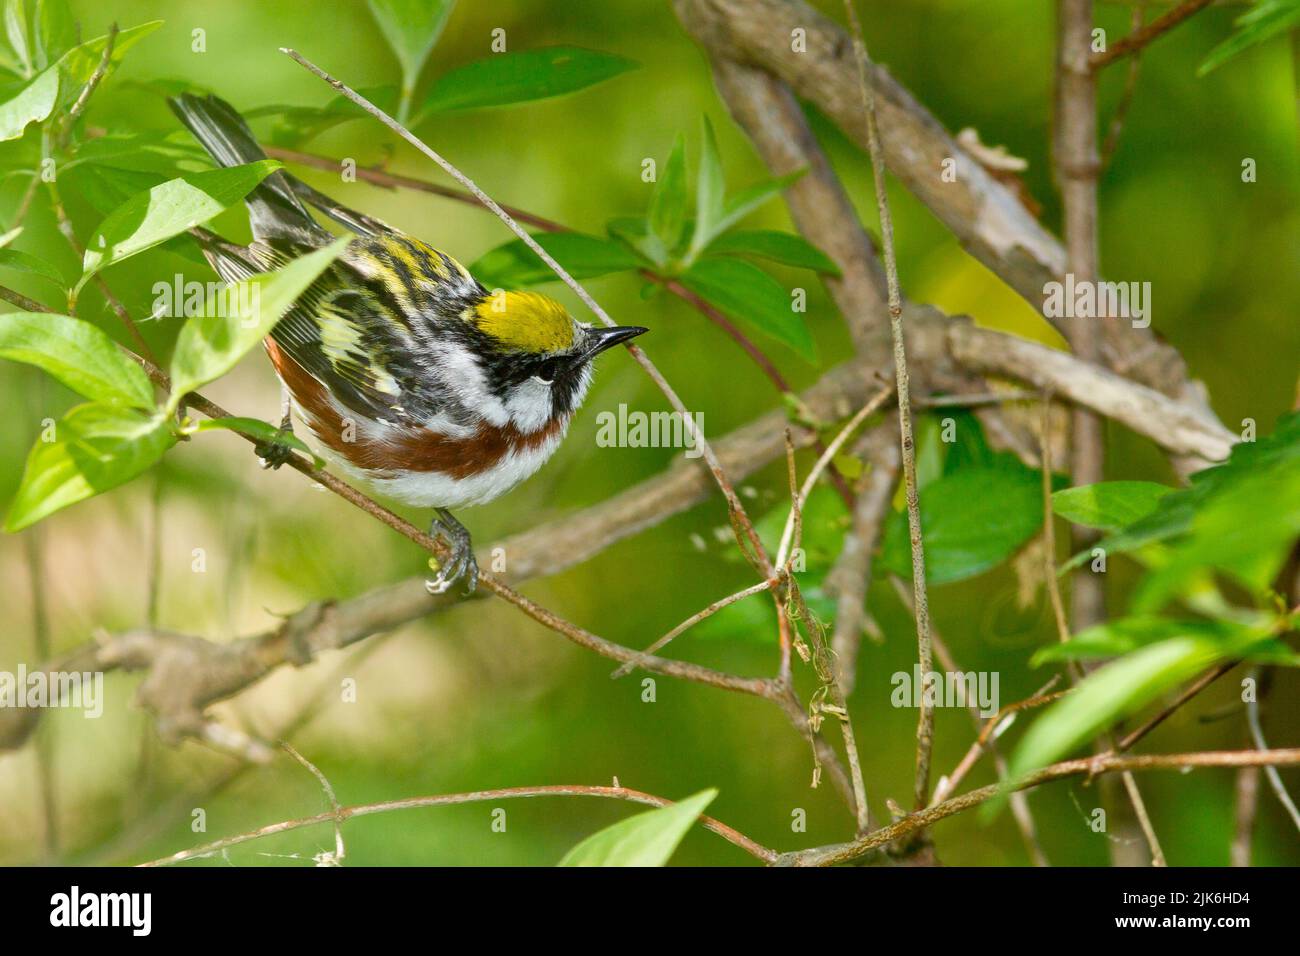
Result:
pixel 408 373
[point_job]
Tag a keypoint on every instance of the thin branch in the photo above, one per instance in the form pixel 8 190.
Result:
pixel 1019 805
pixel 1111 142
pixel 339 850
pixel 810 481
pixel 1075 157
pixel 341 814
pixel 87 90
pixel 1245 808
pixel 1274 778
pixel 690 622
pixel 925 724
pixel 1141 37
pixel 849 579
pixel 1101 764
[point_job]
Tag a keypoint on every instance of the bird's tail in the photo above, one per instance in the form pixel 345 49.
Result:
pixel 273 208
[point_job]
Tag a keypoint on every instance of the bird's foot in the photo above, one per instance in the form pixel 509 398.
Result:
pixel 461 563
pixel 274 453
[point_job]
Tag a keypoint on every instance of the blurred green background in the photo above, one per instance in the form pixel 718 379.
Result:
pixel 481 697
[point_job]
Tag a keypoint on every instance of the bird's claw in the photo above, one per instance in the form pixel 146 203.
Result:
pixel 461 564
pixel 274 453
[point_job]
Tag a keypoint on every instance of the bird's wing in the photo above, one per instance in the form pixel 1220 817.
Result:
pixel 348 331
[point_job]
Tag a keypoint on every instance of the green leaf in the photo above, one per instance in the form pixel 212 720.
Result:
pixel 77 354
pixel 33 105
pixel 411 27
pixel 262 431
pixel 168 210
pixel 15 17
pixel 1125 635
pixel 168 154
pixel 1109 505
pixel 300 123
pixel 80 63
pixel 634 232
pixel 238 317
pixel 667 212
pixel 106 187
pixel 710 190
pixel 23 262
pixel 972 520
pixel 751 296
pixel 647 839
pixel 506 78
pixel 747 200
pixel 1121 688
pixel 98 447
pixel 1265 20
pixel 514 264
pixel 783 247
pixel 55 31
pixel 1238 517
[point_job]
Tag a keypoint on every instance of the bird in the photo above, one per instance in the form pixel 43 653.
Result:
pixel 409 375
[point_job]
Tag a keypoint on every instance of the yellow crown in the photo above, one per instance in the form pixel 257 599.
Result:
pixel 525 321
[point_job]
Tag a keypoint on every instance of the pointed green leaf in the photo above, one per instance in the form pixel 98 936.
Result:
pixel 1265 20
pixel 972 520
pixel 506 78
pixel 1119 689
pixel 80 63
pixel 1109 505
pixel 32 105
pixel 667 213
pixel 782 247
pixel 239 317
pixel 97 448
pixel 584 257
pixel 77 354
pixel 411 27
pixel 17 261
pixel 168 210
pixel 747 200
pixel 15 16
pixel 647 839
pixel 751 296
pixel 710 190
pixel 55 31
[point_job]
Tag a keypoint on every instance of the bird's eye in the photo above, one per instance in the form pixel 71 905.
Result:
pixel 546 372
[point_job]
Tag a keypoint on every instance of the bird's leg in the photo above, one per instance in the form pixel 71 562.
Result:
pixel 462 563
pixel 273 454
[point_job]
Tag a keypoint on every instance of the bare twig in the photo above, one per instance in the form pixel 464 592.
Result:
pixel 1101 764
pixel 690 622
pixel 1142 36
pixel 925 725
pixel 1274 778
pixel 849 579
pixel 339 850
pixel 341 814
pixel 1111 142
pixel 1245 808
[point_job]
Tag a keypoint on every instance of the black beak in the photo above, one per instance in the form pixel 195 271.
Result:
pixel 598 340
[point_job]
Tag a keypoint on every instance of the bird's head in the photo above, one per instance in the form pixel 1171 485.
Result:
pixel 536 355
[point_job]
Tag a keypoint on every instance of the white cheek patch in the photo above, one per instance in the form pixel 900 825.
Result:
pixel 529 405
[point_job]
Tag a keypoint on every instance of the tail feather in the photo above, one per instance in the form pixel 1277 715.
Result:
pixel 274 209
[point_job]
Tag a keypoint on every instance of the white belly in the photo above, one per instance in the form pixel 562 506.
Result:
pixel 432 489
